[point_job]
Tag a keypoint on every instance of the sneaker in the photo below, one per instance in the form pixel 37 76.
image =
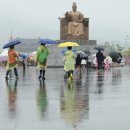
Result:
pixel 71 77
pixel 6 78
pixel 100 70
pixel 43 78
pixel 39 77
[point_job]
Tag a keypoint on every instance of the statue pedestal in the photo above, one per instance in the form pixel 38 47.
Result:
pixel 64 30
pixel 56 56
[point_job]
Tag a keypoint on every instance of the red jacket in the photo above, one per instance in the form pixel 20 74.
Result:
pixel 12 56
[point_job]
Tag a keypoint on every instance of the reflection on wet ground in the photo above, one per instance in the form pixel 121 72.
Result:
pixel 74 103
pixel 12 96
pixel 42 98
pixel 93 101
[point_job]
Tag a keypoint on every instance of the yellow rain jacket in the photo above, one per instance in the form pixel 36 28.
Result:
pixel 69 60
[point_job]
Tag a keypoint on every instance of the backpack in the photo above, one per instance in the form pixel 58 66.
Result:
pixel 42 56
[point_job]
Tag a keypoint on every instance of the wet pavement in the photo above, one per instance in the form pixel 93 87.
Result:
pixel 91 102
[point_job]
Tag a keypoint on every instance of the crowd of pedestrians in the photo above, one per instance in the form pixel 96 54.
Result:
pixel 71 61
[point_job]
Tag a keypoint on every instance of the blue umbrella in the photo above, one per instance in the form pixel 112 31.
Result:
pixel 47 41
pixel 23 55
pixel 65 49
pixel 11 43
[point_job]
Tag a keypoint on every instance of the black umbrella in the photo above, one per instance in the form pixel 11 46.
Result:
pixel 120 58
pixel 99 48
pixel 116 57
pixel 11 43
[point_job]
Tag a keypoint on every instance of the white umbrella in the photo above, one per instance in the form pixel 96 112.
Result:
pixel 4 55
pixel 4 52
pixel 82 54
pixel 109 59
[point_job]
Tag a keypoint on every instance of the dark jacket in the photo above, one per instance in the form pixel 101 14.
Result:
pixel 78 60
pixel 100 57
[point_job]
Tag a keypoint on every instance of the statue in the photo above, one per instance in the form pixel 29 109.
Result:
pixel 75 21
pixel 73 25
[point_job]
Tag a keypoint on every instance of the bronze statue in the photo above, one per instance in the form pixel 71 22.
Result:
pixel 73 25
pixel 75 21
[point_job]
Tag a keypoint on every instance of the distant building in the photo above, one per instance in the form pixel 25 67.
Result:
pixel 30 45
pixel 55 57
pixel 27 45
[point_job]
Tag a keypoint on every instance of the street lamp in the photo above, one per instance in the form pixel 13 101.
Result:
pixel 127 39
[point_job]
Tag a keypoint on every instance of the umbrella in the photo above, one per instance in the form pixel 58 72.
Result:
pixel 4 55
pixel 4 52
pixel 47 41
pixel 120 58
pixel 11 43
pixel 115 56
pixel 3 58
pixel 65 44
pixel 99 48
pixel 32 56
pixel 65 49
pixel 109 59
pixel 23 55
pixel 82 54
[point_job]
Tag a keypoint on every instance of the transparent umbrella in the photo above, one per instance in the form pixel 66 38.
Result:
pixel 4 55
pixel 82 54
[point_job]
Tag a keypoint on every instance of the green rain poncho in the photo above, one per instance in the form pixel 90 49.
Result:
pixel 41 56
pixel 69 60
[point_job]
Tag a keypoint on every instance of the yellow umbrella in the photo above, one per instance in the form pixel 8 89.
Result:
pixel 65 44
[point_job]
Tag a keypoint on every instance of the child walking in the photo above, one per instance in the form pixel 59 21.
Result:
pixel 78 63
pixel 107 64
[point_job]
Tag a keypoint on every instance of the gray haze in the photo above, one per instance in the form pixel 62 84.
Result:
pixel 109 19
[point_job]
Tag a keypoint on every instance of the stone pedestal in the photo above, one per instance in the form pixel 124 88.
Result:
pixel 64 30
pixel 56 56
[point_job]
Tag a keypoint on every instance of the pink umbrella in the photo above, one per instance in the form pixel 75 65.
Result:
pixel 32 55
pixel 3 58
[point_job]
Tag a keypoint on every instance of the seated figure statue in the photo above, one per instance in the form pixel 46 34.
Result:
pixel 75 21
pixel 74 25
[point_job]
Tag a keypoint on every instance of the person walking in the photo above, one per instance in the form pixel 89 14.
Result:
pixel 83 64
pixel 107 64
pixel 100 59
pixel 69 65
pixel 78 63
pixel 12 62
pixel 41 59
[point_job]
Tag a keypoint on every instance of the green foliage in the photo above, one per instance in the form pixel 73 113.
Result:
pixel 127 52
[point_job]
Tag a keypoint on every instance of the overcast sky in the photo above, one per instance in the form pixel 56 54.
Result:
pixel 109 19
